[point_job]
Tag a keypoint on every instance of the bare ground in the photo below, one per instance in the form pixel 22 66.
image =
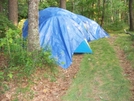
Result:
pixel 46 90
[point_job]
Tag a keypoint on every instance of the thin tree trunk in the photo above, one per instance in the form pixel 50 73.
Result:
pixel 99 11
pixel 82 8
pixel 63 4
pixel 72 5
pixel 1 7
pixel 13 11
pixel 103 13
pixel 33 34
pixel 131 15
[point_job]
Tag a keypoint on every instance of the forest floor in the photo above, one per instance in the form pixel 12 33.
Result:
pixel 53 88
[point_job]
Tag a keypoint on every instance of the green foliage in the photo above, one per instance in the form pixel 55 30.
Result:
pixel 4 4
pixel 20 61
pixel 47 3
pixel 115 26
pixel 84 7
pixel 44 4
pixel 5 24
pixel 22 9
pixel 115 11
pixel 1 75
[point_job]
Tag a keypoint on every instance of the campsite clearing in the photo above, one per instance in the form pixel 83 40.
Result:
pixel 105 75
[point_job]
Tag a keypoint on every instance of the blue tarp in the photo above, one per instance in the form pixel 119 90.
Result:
pixel 83 48
pixel 93 29
pixel 62 31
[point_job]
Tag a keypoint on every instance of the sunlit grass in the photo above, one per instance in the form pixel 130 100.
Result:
pixel 100 77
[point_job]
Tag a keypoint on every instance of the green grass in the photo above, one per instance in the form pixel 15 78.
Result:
pixel 126 43
pixel 100 77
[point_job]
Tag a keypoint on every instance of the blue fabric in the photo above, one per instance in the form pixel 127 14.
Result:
pixel 94 30
pixel 83 48
pixel 62 31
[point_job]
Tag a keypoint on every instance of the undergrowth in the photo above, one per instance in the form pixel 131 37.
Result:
pixel 20 64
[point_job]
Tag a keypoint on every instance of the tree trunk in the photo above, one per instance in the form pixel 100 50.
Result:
pixel 1 7
pixel 63 4
pixel 103 13
pixel 131 14
pixel 13 11
pixel 72 5
pixel 99 11
pixel 33 34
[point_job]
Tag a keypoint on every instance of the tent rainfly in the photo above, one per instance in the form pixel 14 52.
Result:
pixel 65 33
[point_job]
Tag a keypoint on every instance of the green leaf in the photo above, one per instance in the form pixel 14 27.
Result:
pixel 2 75
pixel 10 75
pixel 10 40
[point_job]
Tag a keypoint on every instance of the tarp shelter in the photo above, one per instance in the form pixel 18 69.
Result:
pixel 62 32
pixel 93 30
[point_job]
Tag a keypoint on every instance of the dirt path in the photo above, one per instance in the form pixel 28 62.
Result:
pixel 124 63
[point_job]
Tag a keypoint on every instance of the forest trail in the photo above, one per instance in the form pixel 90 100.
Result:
pixel 124 63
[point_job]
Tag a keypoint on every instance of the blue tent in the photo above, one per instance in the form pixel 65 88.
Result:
pixel 93 30
pixel 62 32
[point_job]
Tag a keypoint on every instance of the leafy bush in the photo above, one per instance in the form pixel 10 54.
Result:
pixel 22 9
pixel 115 26
pixel 20 61
pixel 5 24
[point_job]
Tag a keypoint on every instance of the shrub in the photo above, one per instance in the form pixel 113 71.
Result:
pixel 5 24
pixel 20 61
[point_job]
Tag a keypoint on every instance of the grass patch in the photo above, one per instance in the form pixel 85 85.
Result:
pixel 100 77
pixel 126 42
